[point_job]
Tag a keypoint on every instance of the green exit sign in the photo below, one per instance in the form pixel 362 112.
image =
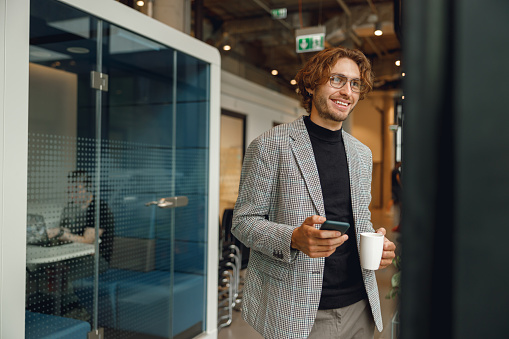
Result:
pixel 310 43
pixel 310 39
pixel 279 13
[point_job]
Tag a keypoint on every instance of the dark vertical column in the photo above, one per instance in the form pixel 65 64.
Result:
pixel 198 19
pixel 398 19
pixel 428 162
pixel 482 176
pixel 456 170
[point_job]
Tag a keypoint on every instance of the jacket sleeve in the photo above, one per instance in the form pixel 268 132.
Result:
pixel 368 159
pixel 251 223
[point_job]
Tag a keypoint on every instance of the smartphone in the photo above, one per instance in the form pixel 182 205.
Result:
pixel 335 226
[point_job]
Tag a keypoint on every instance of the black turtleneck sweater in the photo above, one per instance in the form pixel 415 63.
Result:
pixel 342 278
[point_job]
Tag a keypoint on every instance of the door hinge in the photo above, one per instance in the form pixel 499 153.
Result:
pixel 99 81
pixel 96 334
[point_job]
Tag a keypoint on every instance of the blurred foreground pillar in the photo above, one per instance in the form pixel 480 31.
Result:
pixel 455 169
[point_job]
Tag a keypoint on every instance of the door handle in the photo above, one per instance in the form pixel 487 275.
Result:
pixel 170 202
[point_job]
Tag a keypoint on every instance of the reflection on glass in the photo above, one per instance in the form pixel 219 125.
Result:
pixel 137 269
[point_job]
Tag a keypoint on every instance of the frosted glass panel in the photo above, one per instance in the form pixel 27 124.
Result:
pixel 63 198
pixel 101 253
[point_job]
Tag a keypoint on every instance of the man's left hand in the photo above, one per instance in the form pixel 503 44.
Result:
pixel 388 251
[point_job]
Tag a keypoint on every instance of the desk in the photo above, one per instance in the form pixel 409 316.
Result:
pixel 40 255
pixel 44 255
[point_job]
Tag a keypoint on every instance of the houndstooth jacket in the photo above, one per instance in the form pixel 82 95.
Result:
pixel 279 189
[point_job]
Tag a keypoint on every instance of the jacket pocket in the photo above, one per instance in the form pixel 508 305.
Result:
pixel 274 269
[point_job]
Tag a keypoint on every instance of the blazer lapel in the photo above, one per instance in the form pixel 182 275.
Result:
pixel 303 152
pixel 354 171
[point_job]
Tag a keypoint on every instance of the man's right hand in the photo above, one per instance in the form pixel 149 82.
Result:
pixel 314 242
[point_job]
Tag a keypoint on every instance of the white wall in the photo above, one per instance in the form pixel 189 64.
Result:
pixel 262 106
pixel 53 111
pixel 52 105
pixel 14 41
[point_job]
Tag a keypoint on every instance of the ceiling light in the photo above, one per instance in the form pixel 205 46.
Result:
pixel 398 62
pixel 403 97
pixel 140 3
pixel 227 47
pixel 78 50
pixel 274 72
pixel 378 29
pixel 293 82
pixel 403 74
pixel 40 54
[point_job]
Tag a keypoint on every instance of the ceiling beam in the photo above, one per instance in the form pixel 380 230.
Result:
pixel 372 6
pixel 345 7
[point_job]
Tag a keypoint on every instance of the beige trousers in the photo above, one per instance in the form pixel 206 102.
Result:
pixel 350 322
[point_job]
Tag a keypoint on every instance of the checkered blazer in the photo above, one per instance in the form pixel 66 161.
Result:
pixel 279 189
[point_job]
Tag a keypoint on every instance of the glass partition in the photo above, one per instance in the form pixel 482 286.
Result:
pixel 117 181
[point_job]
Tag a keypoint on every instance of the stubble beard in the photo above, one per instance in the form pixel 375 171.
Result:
pixel 325 113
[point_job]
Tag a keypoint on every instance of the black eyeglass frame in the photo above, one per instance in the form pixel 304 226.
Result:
pixel 362 86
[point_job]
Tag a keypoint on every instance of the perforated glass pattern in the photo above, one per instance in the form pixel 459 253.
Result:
pixel 102 252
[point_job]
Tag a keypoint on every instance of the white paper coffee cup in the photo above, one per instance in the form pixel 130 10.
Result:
pixel 371 249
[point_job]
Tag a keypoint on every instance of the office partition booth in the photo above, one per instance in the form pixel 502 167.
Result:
pixel 122 175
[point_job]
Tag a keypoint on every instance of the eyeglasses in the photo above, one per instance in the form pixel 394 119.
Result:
pixel 338 81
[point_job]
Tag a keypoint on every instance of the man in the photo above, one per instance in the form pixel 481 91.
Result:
pixel 301 281
pixel 77 222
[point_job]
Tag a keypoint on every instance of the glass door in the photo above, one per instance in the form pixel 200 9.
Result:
pixel 118 180
pixel 62 192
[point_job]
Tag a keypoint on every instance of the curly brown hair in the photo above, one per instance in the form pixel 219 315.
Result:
pixel 317 71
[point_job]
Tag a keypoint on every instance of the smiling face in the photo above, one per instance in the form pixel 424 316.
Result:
pixel 331 106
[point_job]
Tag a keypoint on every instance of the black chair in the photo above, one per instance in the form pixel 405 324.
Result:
pixel 229 239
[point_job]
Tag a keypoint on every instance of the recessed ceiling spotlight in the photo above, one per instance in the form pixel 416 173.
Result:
pixel 398 62
pixel 140 3
pixel 227 47
pixel 274 72
pixel 40 54
pixel 403 74
pixel 78 50
pixel 293 82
